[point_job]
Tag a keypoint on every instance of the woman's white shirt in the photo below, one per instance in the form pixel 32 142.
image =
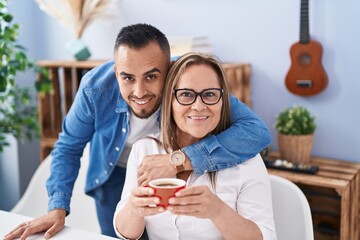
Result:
pixel 245 188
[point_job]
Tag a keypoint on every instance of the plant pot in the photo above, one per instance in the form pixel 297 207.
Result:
pixel 295 148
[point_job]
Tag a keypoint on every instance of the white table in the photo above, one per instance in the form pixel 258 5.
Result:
pixel 8 221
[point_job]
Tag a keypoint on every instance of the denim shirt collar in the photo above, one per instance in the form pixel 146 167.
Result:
pixel 121 105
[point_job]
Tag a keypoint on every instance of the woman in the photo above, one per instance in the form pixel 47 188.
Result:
pixel 229 204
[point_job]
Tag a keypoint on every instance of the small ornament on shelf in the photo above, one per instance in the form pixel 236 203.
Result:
pixel 77 15
pixel 290 166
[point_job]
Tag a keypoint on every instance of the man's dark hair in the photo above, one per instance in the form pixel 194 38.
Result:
pixel 140 35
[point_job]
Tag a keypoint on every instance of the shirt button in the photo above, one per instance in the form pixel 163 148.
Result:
pixel 97 181
pixel 117 149
pixel 106 172
pixel 205 171
pixel 111 164
pixel 124 130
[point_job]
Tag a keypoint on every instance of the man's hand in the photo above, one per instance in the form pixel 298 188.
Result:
pixel 155 166
pixel 52 223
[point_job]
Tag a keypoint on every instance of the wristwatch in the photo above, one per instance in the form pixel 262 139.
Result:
pixel 177 159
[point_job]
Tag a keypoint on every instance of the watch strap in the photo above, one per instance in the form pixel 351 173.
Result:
pixel 180 168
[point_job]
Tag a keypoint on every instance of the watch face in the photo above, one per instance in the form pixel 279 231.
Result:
pixel 177 158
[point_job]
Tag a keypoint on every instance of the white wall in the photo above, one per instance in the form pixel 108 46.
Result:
pixel 256 31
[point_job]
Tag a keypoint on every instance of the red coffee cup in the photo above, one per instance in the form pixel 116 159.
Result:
pixel 165 188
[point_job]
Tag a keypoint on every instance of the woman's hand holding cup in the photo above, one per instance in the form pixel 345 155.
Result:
pixel 153 198
pixel 144 203
pixel 197 201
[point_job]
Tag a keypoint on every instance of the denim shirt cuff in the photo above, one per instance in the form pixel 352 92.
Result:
pixel 199 156
pixel 59 200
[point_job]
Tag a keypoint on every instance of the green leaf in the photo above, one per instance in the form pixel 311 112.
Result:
pixel 3 84
pixel 295 120
pixel 7 18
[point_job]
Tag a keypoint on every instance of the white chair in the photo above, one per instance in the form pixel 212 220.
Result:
pixel 291 209
pixel 34 202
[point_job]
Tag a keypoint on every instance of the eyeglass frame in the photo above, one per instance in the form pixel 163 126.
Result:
pixel 198 94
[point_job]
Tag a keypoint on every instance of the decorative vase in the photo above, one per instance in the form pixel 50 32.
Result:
pixel 78 49
pixel 295 148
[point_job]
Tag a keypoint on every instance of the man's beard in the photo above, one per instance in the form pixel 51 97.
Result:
pixel 145 113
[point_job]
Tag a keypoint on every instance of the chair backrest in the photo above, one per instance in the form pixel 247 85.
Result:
pixel 34 202
pixel 291 209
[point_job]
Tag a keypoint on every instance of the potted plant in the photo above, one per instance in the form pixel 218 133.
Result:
pixel 296 127
pixel 17 116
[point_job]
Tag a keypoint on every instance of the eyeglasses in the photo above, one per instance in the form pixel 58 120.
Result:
pixel 210 96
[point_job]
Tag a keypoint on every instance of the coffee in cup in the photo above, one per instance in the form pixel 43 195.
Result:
pixel 165 188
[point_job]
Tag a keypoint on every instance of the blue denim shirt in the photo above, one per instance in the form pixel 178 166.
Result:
pixel 100 115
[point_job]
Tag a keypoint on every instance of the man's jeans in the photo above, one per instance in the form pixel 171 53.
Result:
pixel 106 197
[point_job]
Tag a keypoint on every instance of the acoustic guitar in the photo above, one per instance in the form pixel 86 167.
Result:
pixel 306 75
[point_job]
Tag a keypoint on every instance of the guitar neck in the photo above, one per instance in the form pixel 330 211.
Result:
pixel 304 22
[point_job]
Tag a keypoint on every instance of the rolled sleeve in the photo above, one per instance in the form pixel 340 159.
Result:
pixel 59 201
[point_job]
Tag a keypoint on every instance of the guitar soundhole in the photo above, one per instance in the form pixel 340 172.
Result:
pixel 304 59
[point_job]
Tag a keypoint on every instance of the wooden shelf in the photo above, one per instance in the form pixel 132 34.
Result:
pixel 71 63
pixel 333 195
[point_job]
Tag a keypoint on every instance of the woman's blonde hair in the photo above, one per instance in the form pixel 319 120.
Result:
pixel 177 68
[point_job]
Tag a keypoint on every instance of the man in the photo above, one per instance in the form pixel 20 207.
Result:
pixel 116 104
